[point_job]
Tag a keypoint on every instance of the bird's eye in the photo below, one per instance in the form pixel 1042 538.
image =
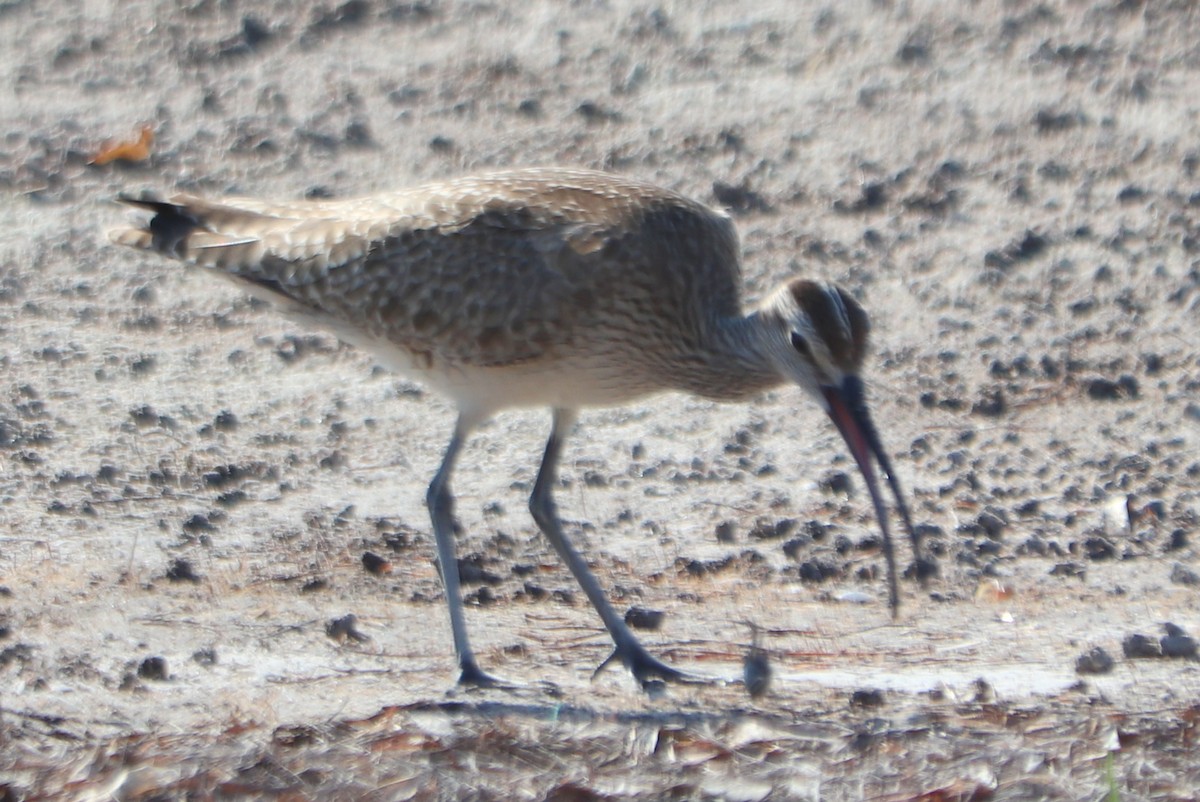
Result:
pixel 801 345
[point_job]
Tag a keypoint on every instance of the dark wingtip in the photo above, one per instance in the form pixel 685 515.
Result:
pixel 171 224
pixel 146 200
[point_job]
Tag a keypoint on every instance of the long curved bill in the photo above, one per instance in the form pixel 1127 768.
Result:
pixel 848 410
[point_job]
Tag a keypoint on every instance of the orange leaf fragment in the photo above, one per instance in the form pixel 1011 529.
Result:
pixel 137 151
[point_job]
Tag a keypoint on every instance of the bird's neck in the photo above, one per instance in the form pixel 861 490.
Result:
pixel 733 363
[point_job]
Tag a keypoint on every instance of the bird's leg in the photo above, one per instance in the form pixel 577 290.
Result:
pixel 645 667
pixel 441 510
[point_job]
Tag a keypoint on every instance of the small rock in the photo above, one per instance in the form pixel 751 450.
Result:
pixel 1094 661
pixel 1029 508
pixel 644 618
pixel 756 673
pixel 345 628
pixel 1100 389
pixel 725 532
pixel 837 482
pixel 534 591
pixel 793 547
pixel 482 597
pixel 375 565
pixel 181 570
pixel 1182 646
pixel 1069 569
pixel 993 522
pixel 225 421
pixel 198 523
pixel 205 657
pixel 472 572
pixel 153 668
pixel 867 697
pixel 1177 541
pixel 1139 646
pixel 1177 643
pixel 765 529
pixel 985 694
pixel 1099 548
pixel 817 570
pixel 756 666
pixel 1182 575
pixel 991 405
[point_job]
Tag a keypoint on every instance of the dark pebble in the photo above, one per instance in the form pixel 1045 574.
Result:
pixel 817 570
pixel 1139 646
pixel 198 523
pixel 756 673
pixel 867 697
pixel 205 657
pixel 1099 548
pixel 1177 541
pixel 992 405
pixel 481 597
pixel 793 547
pixel 1101 389
pixel 345 628
pixel 725 532
pixel 1094 661
pixel 153 668
pixel 181 570
pixel 922 569
pixel 1178 646
pixel 644 618
pixel 374 564
pixel 1069 569
pixel 992 522
pixel 398 541
pixel 836 482
pixel 225 421
pixel 534 591
pixel 765 529
pixel 472 572
pixel 1028 508
pixel 1182 575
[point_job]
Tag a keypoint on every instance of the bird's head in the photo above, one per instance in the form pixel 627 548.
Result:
pixel 818 340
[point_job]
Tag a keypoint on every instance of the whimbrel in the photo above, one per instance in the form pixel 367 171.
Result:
pixel 542 287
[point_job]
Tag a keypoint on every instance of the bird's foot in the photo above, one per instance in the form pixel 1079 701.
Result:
pixel 475 678
pixel 650 672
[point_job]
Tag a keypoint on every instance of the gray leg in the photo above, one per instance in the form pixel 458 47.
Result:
pixel 629 651
pixel 441 509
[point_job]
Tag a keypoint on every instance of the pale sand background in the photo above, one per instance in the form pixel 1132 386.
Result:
pixel 1010 187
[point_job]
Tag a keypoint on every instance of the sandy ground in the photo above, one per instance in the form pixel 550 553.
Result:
pixel 189 483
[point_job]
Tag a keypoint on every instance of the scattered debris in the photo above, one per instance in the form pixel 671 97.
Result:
pixel 137 150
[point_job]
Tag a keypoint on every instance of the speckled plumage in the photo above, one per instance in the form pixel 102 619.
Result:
pixel 497 280
pixel 543 287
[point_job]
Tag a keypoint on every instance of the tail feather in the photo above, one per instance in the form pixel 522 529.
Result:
pixel 197 231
